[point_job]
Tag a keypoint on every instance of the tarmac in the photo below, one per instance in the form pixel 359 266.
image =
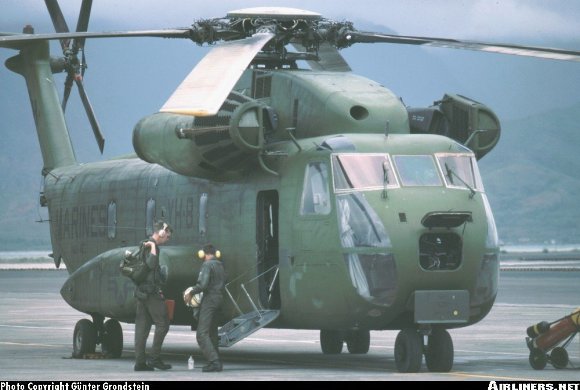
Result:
pixel 36 328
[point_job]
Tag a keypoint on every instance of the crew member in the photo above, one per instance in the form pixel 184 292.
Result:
pixel 211 281
pixel 151 307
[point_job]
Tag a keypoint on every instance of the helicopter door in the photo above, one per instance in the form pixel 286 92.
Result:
pixel 267 244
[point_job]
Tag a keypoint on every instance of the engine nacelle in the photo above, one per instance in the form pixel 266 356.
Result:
pixel 469 122
pixel 204 146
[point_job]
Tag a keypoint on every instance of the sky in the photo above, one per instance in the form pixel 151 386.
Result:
pixel 475 19
pixel 130 78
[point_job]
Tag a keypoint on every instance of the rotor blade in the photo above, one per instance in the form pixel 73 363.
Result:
pixel 67 88
pixel 58 21
pixel 204 90
pixel 330 58
pixel 529 51
pixel 164 33
pixel 90 113
pixel 10 45
pixel 82 24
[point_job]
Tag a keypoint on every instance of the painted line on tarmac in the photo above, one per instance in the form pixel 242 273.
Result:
pixel 464 351
pixel 33 327
pixel 493 352
pixel 492 377
pixel 278 341
pixel 30 344
pixel 533 305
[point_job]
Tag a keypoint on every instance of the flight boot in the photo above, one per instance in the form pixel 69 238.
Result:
pixel 159 364
pixel 215 366
pixel 143 367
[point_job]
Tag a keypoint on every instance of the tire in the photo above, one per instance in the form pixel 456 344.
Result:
pixel 331 341
pixel 84 338
pixel 439 353
pixel 112 340
pixel 559 358
pixel 538 359
pixel 358 341
pixel 408 351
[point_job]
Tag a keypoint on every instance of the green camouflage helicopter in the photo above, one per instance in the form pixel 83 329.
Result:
pixel 337 207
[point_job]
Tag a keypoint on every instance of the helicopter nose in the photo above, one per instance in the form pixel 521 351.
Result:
pixel 67 291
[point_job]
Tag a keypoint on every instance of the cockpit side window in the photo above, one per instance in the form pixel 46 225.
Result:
pixel 315 192
pixel 460 171
pixel 417 170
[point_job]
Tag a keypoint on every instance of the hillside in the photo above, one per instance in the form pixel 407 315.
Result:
pixel 532 178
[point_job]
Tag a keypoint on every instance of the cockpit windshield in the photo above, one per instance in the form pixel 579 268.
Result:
pixel 417 170
pixel 362 172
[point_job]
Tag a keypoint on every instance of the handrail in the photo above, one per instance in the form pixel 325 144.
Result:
pixel 242 285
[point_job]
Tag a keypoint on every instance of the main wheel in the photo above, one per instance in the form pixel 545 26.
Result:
pixel 84 338
pixel 559 357
pixel 439 353
pixel 358 341
pixel 331 341
pixel 538 359
pixel 408 351
pixel 112 341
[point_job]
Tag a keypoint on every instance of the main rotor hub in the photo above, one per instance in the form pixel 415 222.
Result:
pixel 278 13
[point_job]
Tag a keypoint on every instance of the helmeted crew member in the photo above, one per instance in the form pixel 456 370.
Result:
pixel 211 281
pixel 151 307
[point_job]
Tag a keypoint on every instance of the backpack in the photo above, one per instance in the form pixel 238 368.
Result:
pixel 133 265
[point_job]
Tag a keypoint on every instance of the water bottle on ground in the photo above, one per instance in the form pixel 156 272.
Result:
pixel 190 363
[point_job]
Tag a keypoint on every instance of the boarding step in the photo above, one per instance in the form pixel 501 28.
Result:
pixel 241 327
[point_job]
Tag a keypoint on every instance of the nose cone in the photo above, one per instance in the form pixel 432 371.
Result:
pixel 81 288
pixel 98 286
pixel 66 291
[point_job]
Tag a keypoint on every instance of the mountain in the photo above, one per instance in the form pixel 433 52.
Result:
pixel 532 177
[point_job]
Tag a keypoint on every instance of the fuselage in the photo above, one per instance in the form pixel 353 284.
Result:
pixel 332 212
pixel 338 240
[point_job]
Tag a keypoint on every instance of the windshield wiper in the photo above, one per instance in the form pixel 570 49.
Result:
pixel 450 172
pixel 385 179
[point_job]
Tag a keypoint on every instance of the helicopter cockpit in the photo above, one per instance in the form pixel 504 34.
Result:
pixel 366 243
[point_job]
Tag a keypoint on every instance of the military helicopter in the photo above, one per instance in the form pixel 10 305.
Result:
pixel 337 207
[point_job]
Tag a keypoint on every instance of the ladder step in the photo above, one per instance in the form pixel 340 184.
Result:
pixel 241 327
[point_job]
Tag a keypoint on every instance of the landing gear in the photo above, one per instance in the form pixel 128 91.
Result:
pixel 439 351
pixel 84 338
pixel 112 339
pixel 358 341
pixel 88 334
pixel 409 350
pixel 331 341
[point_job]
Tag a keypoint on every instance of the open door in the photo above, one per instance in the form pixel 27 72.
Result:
pixel 267 244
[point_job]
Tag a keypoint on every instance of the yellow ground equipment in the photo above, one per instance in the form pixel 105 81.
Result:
pixel 548 341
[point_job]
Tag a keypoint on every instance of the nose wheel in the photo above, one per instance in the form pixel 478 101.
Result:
pixel 409 350
pixel 357 341
pixel 439 351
